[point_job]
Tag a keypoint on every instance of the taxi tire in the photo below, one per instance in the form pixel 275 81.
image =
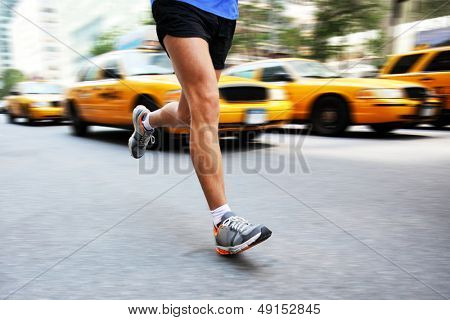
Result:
pixel 30 121
pixel 336 104
pixel 79 127
pixel 11 118
pixel 441 122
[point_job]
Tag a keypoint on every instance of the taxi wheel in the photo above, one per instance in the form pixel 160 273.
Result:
pixel 383 128
pixel 79 127
pixel 11 118
pixel 440 122
pixel 330 116
pixel 30 121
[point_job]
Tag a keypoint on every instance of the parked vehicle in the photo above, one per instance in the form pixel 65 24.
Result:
pixel 36 100
pixel 331 103
pixel 3 106
pixel 428 67
pixel 109 88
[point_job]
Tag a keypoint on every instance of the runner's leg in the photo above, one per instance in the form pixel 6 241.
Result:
pixel 174 114
pixel 193 66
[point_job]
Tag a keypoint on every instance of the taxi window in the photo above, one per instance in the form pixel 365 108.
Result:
pixel 91 74
pixel 404 64
pixel 82 74
pixel 110 64
pixel 248 73
pixel 440 62
pixel 270 72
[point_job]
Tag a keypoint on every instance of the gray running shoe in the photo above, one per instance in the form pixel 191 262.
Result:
pixel 235 234
pixel 141 137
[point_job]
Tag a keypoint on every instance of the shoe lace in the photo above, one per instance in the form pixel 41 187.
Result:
pixel 236 223
pixel 143 139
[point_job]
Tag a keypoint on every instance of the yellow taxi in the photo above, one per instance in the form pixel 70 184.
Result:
pixel 36 100
pixel 331 103
pixel 111 86
pixel 428 67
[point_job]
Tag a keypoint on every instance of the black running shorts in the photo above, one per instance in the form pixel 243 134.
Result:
pixel 180 19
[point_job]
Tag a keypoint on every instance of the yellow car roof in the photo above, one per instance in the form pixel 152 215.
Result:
pixel 422 51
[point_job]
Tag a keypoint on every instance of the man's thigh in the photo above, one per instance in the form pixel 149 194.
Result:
pixel 192 63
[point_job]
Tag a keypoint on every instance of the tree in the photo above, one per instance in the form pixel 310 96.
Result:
pixel 9 78
pixel 292 39
pixel 105 43
pixel 375 46
pixel 259 22
pixel 429 9
pixel 338 18
pixel 148 19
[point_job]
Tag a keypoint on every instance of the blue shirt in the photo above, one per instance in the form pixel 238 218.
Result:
pixel 224 8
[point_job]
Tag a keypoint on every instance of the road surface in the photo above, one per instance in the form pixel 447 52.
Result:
pixel 355 217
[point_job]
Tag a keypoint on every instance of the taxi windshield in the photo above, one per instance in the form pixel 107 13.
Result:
pixel 41 88
pixel 147 63
pixel 312 69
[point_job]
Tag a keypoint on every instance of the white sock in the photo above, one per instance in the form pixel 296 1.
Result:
pixel 146 124
pixel 219 212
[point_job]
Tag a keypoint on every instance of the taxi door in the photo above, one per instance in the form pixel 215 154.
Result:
pixel 85 92
pixel 13 102
pixel 436 75
pixel 114 93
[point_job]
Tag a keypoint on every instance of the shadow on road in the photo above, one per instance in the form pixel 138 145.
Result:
pixel 175 145
pixel 430 128
pixel 44 123
pixel 395 135
pixel 239 262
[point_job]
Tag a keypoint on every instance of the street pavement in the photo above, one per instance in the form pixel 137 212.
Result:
pixel 354 217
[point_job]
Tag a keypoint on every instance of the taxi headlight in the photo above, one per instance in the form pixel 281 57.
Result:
pixel 40 104
pixel 380 94
pixel 173 95
pixel 277 94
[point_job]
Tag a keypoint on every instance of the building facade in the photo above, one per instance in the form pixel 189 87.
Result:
pixel 35 33
pixel 83 21
pixel 6 15
pixel 52 39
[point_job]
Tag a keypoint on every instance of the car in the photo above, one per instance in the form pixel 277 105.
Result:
pixel 428 67
pixel 3 106
pixel 36 100
pixel 110 86
pixel 331 103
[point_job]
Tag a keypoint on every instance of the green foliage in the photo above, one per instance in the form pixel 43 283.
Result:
pixel 104 43
pixel 337 18
pixel 376 46
pixel 429 9
pixel 148 19
pixel 255 18
pixel 9 78
pixel 292 39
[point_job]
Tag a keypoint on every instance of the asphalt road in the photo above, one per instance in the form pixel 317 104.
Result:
pixel 356 217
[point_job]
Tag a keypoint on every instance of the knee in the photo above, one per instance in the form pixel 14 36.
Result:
pixel 205 107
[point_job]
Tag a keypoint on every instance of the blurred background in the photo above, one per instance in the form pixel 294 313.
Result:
pixel 355 215
pixel 38 37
